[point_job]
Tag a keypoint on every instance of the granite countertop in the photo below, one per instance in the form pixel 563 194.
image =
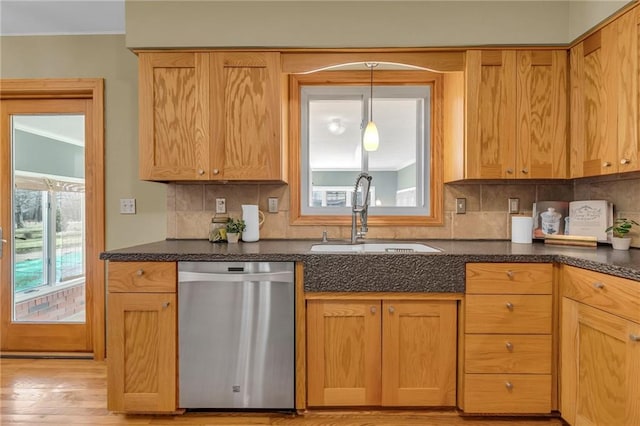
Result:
pixel 406 272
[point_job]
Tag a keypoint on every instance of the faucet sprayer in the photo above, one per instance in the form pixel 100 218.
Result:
pixel 365 180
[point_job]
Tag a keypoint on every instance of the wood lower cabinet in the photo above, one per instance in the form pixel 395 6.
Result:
pixel 142 337
pixel 381 352
pixel 600 349
pixel 508 344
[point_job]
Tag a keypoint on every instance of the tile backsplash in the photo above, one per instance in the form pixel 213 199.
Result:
pixel 190 207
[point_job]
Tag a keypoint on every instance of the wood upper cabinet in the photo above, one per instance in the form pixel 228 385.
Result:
pixel 210 116
pixel 604 100
pixel 174 116
pixel 516 114
pixel 373 352
pixel 142 337
pixel 600 349
pixel 491 105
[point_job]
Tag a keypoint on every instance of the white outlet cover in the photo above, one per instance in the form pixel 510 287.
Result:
pixel 221 205
pixel 127 206
pixel 273 205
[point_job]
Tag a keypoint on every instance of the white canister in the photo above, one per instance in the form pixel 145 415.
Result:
pixel 521 229
pixel 253 218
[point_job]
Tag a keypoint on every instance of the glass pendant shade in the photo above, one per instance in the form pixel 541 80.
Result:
pixel 371 140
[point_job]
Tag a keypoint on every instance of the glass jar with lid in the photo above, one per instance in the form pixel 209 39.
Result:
pixel 218 229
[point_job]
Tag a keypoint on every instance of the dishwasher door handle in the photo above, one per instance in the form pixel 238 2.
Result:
pixel 188 276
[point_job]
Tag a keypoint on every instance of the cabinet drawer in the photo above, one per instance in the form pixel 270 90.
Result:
pixel 150 277
pixel 615 295
pixel 507 393
pixel 508 313
pixel 506 278
pixel 507 353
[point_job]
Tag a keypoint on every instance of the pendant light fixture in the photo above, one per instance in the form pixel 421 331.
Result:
pixel 371 139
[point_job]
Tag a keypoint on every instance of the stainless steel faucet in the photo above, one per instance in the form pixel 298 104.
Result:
pixel 365 180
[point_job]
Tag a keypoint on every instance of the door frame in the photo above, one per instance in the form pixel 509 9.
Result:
pixel 91 89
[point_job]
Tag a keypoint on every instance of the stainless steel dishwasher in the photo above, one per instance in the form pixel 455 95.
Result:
pixel 236 325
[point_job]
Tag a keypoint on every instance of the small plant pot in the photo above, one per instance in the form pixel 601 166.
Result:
pixel 621 243
pixel 233 237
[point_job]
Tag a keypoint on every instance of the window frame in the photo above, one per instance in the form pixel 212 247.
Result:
pixel 361 78
pixel 421 92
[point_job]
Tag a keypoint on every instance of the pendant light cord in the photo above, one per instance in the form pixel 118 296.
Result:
pixel 371 65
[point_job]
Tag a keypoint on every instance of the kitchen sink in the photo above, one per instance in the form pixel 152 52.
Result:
pixel 374 248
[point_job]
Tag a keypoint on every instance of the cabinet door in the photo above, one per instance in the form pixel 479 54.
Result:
pixel 141 352
pixel 491 114
pixel 600 367
pixel 541 144
pixel 594 105
pixel 245 108
pixel 628 31
pixel 174 122
pixel 343 352
pixel 419 353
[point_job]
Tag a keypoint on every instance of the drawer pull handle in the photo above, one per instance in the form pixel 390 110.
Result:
pixel 216 171
pixel 510 274
pixel 140 272
pixel 625 161
pixel 509 385
pixel 525 171
pixel 373 309
pixel 391 309
pixel 606 164
pixel 200 172
pixel 509 306
pixel 634 337
pixel 509 346
pixel 509 171
pixel 165 305
pixel 598 285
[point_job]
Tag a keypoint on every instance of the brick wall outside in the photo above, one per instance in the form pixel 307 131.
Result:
pixel 54 306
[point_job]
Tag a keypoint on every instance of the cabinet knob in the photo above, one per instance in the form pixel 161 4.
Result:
pixel 509 346
pixel 625 161
pixel 216 171
pixel 606 164
pixel 391 309
pixel 634 337
pixel 140 272
pixel 509 385
pixel 525 171
pixel 509 306
pixel 165 305
pixel 373 309
pixel 200 172
pixel 510 274
pixel 598 285
pixel 509 171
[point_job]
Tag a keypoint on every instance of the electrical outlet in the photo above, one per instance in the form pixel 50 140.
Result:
pixel 127 206
pixel 221 205
pixel 273 205
pixel 514 205
pixel 461 205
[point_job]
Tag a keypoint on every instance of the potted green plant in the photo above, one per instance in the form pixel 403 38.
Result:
pixel 620 228
pixel 234 229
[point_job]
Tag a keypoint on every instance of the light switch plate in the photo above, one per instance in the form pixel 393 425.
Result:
pixel 514 205
pixel 127 206
pixel 221 205
pixel 273 205
pixel 461 205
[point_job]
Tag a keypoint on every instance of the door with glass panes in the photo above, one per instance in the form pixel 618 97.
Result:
pixel 45 291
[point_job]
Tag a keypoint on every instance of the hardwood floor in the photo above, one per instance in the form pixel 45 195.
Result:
pixel 73 392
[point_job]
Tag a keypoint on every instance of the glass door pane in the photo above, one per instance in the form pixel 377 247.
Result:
pixel 48 218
